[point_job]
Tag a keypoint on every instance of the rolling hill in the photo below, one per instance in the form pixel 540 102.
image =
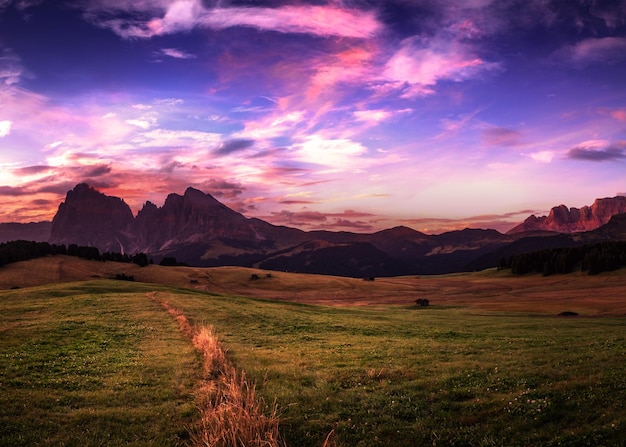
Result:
pixel 489 290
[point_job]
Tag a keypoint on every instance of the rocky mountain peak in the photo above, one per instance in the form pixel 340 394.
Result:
pixel 571 220
pixel 88 217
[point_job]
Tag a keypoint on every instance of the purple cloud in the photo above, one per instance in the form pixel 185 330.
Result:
pixel 32 170
pixel 95 171
pixel 236 145
pixel 501 136
pixel 175 53
pixel 222 188
pixel 612 153
pixel 13 191
pixel 593 50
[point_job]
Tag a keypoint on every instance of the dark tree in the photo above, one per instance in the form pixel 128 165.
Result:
pixel 141 259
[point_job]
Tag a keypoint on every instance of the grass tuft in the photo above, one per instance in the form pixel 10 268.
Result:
pixel 232 415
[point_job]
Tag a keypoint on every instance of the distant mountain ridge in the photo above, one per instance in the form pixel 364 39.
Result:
pixel 197 229
pixel 33 231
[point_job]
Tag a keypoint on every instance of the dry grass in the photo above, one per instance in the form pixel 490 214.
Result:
pixel 231 414
pixel 491 291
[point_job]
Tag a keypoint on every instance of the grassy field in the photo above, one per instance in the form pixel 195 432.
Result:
pixel 89 364
pixel 99 363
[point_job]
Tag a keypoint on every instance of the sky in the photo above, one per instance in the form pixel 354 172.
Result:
pixel 345 115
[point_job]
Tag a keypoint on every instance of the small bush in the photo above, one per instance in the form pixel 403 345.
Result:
pixel 124 277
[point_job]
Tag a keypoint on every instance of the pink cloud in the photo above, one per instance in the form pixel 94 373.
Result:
pixel 372 117
pixel 176 53
pixel 315 220
pixel 543 156
pixel 347 66
pixel 317 20
pixel 421 63
pixel 351 214
pixel 184 15
pixel 499 222
pixel 349 225
pixel 297 218
pixel 454 125
pixel 617 114
pixel 501 136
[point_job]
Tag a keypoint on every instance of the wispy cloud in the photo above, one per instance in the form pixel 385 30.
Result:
pixel 282 123
pixel 374 117
pixel 616 114
pixel 593 50
pixel 500 222
pixel 175 53
pixel 453 125
pixel 354 65
pixel 11 69
pixel 421 63
pixel 316 220
pixel 184 15
pixel 336 155
pixel 32 170
pixel 166 138
pixel 501 136
pixel 543 156
pixel 316 20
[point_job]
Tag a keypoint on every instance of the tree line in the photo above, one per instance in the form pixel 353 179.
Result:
pixel 591 258
pixel 16 251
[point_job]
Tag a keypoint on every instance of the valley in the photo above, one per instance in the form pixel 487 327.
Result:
pixel 488 291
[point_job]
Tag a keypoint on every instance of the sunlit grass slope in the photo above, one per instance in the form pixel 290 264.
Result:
pixel 99 363
pixel 408 376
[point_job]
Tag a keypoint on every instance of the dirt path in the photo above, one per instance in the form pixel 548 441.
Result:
pixel 230 412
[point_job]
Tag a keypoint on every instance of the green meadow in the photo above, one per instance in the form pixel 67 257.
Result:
pixel 99 363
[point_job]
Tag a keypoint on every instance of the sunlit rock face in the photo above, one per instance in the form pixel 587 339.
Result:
pixel 90 218
pixel 571 220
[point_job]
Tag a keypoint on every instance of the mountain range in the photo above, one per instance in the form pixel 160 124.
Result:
pixel 196 229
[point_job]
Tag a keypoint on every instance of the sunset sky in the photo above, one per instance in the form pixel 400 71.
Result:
pixel 352 115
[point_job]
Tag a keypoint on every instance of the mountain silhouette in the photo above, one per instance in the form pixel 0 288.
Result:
pixel 197 229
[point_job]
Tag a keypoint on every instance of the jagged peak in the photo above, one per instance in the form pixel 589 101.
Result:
pixel 83 186
pixel 564 219
pixel 191 190
pixel 196 194
pixel 86 190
